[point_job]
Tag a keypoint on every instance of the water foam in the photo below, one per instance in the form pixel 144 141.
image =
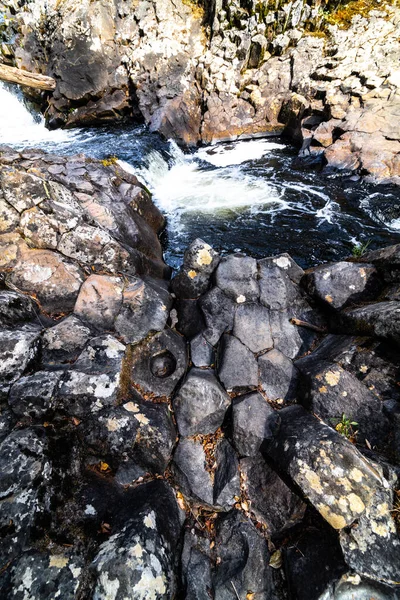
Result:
pixel 224 155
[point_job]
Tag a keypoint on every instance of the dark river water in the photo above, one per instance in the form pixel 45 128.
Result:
pixel 244 196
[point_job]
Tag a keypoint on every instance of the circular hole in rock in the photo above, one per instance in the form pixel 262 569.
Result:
pixel 162 365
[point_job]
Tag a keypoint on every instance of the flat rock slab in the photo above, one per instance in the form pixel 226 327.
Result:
pixel 329 470
pixel 343 283
pixel 252 327
pixel 200 404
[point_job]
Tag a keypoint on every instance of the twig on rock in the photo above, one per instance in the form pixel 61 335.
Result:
pixel 301 323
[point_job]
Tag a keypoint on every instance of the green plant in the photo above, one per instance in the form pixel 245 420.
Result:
pixel 360 249
pixel 344 426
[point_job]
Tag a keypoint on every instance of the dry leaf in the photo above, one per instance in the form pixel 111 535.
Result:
pixel 104 466
pixel 276 560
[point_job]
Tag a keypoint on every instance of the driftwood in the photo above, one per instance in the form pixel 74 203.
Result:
pixel 33 80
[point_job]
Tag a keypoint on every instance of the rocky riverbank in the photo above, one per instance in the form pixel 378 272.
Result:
pixel 233 433
pixel 210 71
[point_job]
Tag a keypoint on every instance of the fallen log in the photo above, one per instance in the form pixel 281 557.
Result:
pixel 33 80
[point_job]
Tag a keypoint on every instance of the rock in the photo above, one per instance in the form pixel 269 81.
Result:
pixel 99 301
pixel 145 308
pixel 236 276
pixel 196 567
pixel 218 311
pixel 141 432
pixel 386 261
pixel 252 419
pixel 214 480
pixel 201 352
pixel 342 283
pixel 329 470
pixel 159 363
pixel 277 291
pixel 141 555
pixel 193 279
pixel 53 280
pixel 271 500
pixel 238 369
pixel 331 392
pixel 18 349
pixel 242 560
pixel 286 264
pixel 200 404
pixel 372 548
pixel 93 382
pixel 252 327
pixel 190 318
pixel 288 339
pixel 24 469
pixel 313 562
pixel 34 395
pixel 278 376
pixel 63 343
pixel 43 574
pixel 379 320
pixel 7 422
pixel 16 308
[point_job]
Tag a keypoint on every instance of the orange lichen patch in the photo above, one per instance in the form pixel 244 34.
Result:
pixel 329 298
pixel 192 274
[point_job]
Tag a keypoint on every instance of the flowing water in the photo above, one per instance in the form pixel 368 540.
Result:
pixel 243 196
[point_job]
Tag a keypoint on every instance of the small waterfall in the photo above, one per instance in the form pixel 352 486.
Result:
pixel 20 127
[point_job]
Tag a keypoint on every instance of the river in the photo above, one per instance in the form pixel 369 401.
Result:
pixel 243 196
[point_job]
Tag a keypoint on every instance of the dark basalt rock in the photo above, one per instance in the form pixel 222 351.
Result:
pixel 386 261
pixel 252 327
pixel 278 376
pixel 190 318
pixel 23 469
pixel 159 362
pixel 214 485
pixel 277 291
pixel 199 263
pixel 94 380
pixel 238 369
pixel 16 308
pixel 285 263
pixel 236 276
pixel 196 567
pixel 340 284
pixel 218 311
pixel 271 500
pixel 200 404
pixel 18 348
pixel 62 343
pixel 329 391
pixel 142 553
pixel 252 419
pixel 242 560
pixel 141 432
pixel 43 575
pixel 381 320
pixel 34 395
pixel 201 352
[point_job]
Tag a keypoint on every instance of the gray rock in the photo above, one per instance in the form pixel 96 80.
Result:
pixel 252 419
pixel 200 404
pixel 271 500
pixel 142 432
pixel 286 336
pixel 190 318
pixel 158 363
pixel 252 327
pixel 34 395
pixel 193 279
pixel 196 567
pixel 242 560
pixel 380 320
pixel 329 470
pixel 286 264
pixel 145 308
pixel 238 369
pixel 201 352
pixel 93 382
pixel 277 291
pixel 42 575
pixel 18 349
pixel 15 308
pixel 64 342
pixel 99 301
pixel 329 391
pixel 387 262
pixel 218 311
pixel 342 283
pixel 7 422
pixel 212 480
pixel 278 376
pixel 141 555
pixel 236 276
pixel 23 469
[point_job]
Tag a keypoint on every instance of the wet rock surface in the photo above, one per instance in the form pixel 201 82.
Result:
pixel 231 434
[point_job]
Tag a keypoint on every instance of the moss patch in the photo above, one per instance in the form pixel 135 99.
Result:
pixel 343 14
